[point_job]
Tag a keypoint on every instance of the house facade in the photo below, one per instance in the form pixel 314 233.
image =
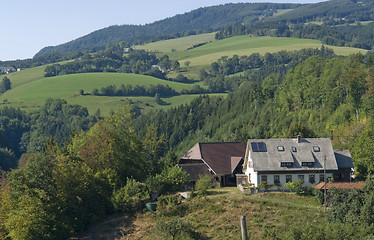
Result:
pixel 278 161
pixel 269 161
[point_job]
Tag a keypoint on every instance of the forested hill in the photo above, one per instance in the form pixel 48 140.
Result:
pixel 197 21
pixel 349 10
pixel 346 23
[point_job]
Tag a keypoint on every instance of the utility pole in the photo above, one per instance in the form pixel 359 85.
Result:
pixel 244 228
pixel 325 178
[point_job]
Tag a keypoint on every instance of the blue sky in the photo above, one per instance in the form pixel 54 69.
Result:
pixel 28 26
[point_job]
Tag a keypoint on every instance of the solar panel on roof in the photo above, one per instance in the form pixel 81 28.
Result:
pixel 262 146
pixel 254 146
pixel 258 146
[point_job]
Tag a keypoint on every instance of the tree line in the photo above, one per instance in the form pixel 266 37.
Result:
pixel 254 68
pixel 138 62
pixel 348 35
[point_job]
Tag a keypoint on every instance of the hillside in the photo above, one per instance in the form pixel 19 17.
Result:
pixel 217 216
pixel 30 88
pixel 210 19
pixel 201 20
pixel 32 93
pixel 349 10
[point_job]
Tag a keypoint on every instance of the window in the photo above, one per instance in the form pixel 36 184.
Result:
pixel 288 178
pixel 276 179
pixel 322 178
pixel 316 149
pixel 264 179
pixel 301 177
pixel 294 149
pixel 312 178
pixel 280 148
pixel 286 164
pixel 307 164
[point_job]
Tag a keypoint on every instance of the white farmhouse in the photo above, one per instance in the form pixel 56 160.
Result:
pixel 278 161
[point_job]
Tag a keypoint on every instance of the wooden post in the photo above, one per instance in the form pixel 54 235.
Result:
pixel 244 228
pixel 324 190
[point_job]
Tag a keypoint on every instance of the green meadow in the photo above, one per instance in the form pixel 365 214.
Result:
pixel 31 93
pixel 178 44
pixel 30 88
pixel 244 45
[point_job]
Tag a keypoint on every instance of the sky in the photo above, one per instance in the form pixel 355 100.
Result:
pixel 28 26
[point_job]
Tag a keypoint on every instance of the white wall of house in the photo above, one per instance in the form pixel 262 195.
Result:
pixel 282 178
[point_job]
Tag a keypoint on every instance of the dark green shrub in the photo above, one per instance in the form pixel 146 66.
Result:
pixel 171 179
pixel 203 184
pixel 131 197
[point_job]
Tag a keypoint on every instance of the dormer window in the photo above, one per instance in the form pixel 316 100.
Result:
pixel 280 149
pixel 307 164
pixel 286 164
pixel 316 149
pixel 293 149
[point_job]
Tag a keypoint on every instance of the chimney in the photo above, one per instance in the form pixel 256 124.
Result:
pixel 298 139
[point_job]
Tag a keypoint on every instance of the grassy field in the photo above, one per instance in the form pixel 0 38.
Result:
pixel 26 76
pixel 178 44
pixel 245 45
pixel 217 216
pixel 31 93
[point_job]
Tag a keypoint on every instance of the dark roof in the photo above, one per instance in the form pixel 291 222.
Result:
pixel 343 158
pixel 341 185
pixel 218 156
pixel 195 170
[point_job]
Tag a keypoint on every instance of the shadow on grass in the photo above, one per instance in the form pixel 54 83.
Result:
pixel 113 227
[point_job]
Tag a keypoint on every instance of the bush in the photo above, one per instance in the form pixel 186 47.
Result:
pixel 171 179
pixel 131 197
pixel 296 186
pixel 176 228
pixel 203 184
pixel 167 202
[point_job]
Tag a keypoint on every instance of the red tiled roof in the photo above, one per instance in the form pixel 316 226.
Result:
pixel 341 185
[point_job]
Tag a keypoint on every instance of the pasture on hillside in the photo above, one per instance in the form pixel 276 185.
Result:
pixel 177 44
pixel 33 92
pixel 243 45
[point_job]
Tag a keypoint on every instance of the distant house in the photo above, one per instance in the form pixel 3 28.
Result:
pixel 7 69
pixel 220 160
pixel 269 161
pixel 159 68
